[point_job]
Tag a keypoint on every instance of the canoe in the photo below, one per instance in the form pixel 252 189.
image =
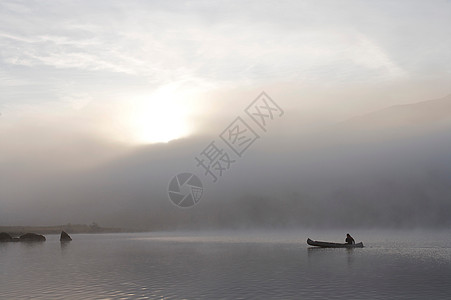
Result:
pixel 333 245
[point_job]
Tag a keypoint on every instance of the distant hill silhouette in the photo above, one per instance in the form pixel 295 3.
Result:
pixel 435 112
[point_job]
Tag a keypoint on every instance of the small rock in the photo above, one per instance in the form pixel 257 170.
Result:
pixel 65 237
pixel 5 237
pixel 32 237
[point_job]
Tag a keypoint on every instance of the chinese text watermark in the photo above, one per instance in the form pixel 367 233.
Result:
pixel 186 189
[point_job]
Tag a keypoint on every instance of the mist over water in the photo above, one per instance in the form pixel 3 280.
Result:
pixel 357 173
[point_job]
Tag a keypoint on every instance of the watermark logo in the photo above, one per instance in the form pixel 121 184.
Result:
pixel 239 136
pixel 185 190
pixel 263 110
pixel 215 160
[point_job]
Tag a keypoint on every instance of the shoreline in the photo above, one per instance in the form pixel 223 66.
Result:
pixel 69 228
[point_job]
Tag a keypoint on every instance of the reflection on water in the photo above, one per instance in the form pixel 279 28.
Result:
pixel 318 255
pixel 350 253
pixel 226 266
pixel 64 245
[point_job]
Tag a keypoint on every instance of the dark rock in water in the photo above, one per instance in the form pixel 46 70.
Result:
pixel 65 237
pixel 28 237
pixel 5 237
pixel 32 237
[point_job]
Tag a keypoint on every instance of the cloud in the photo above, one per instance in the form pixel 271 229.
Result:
pixel 173 43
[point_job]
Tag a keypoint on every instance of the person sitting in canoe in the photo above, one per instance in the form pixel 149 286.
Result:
pixel 349 240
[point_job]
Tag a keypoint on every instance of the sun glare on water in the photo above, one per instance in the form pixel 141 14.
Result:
pixel 160 117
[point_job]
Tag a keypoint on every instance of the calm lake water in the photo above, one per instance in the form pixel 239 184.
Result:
pixel 229 265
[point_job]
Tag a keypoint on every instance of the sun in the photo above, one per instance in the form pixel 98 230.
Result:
pixel 161 116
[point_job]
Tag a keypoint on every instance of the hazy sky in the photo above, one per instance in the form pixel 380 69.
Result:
pixel 111 64
pixel 83 82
